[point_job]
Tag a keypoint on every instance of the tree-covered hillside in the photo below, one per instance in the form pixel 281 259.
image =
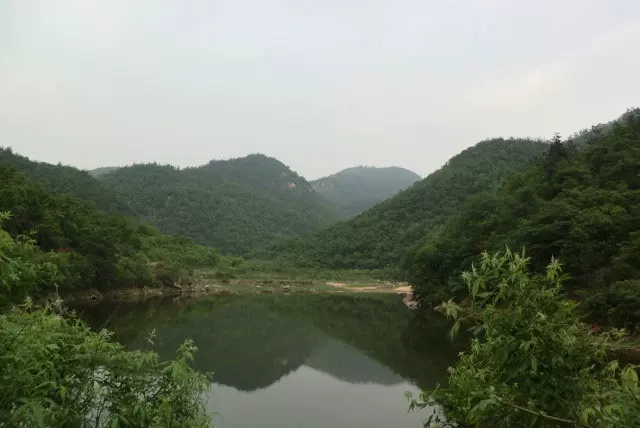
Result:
pixel 66 180
pixel 234 205
pixel 382 235
pixel 579 205
pixel 354 190
pixel 70 244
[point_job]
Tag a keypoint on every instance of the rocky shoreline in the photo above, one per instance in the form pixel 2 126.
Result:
pixel 94 295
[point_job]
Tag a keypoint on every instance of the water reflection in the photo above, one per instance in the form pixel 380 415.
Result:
pixel 297 360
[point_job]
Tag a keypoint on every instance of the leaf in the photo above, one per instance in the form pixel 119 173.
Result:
pixel 36 410
pixel 534 363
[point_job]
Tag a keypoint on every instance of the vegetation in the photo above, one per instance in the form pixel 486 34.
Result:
pixel 234 205
pixel 381 236
pixel 56 372
pixel 67 243
pixel 615 305
pixel 532 364
pixel 355 190
pixel 582 206
pixel 66 180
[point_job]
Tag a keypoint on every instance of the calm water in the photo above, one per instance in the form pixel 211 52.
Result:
pixel 298 361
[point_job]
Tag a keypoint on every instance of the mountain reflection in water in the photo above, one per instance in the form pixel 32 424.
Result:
pixel 274 356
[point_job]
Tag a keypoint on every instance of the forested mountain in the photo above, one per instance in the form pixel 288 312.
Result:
pixel 579 205
pixel 382 235
pixel 68 243
pixel 234 205
pixel 66 180
pixel 97 172
pixel 354 190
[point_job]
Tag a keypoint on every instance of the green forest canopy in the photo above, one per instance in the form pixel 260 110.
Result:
pixel 234 205
pixel 69 243
pixel 381 236
pixel 578 204
pixel 357 189
pixel 66 180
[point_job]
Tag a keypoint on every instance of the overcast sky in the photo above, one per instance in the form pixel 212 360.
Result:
pixel 319 84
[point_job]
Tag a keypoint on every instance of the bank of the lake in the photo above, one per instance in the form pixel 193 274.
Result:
pixel 296 359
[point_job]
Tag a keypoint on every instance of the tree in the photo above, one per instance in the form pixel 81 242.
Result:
pixel 532 363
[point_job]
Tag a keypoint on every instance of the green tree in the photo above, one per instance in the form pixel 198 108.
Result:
pixel 533 363
pixel 56 372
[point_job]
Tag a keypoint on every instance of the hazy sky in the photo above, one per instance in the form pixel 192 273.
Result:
pixel 319 84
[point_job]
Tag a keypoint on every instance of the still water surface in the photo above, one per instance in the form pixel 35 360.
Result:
pixel 298 361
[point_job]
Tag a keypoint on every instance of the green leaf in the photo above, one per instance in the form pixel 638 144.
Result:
pixel 36 410
pixel 534 363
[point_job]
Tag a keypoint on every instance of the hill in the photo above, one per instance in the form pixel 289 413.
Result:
pixel 68 243
pixel 382 235
pixel 234 205
pixel 354 190
pixel 66 180
pixel 578 204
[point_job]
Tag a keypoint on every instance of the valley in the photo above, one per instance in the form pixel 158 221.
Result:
pixel 245 251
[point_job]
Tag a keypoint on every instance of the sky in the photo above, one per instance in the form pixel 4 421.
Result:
pixel 321 85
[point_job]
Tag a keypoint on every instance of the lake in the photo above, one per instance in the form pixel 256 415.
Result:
pixel 296 360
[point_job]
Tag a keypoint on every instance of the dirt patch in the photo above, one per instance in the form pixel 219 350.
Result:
pixel 337 284
pixel 385 287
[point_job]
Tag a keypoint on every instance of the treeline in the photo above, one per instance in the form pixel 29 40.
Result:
pixel 69 244
pixel 580 204
pixel 383 235
pixel 66 180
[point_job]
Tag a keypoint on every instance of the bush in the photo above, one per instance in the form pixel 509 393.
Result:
pixel 616 306
pixel 56 372
pixel 532 363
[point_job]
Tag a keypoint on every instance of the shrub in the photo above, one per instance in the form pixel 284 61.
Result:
pixel 56 372
pixel 617 305
pixel 532 363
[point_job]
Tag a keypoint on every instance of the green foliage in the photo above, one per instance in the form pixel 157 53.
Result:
pixel 617 305
pixel 233 205
pixel 56 372
pixel 582 206
pixel 355 190
pixel 383 235
pixel 66 180
pixel 533 364
pixel 69 243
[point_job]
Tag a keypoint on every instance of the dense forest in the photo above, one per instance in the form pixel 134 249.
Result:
pixel 234 205
pixel 66 180
pixel 580 204
pixel 381 236
pixel 69 244
pixel 355 190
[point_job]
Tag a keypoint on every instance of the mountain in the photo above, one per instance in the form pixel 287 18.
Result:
pixel 102 170
pixel 578 203
pixel 66 180
pixel 381 236
pixel 357 189
pixel 235 205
